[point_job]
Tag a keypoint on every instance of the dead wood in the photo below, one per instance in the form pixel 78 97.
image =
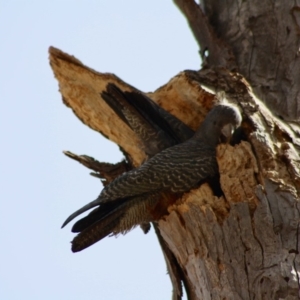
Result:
pixel 244 244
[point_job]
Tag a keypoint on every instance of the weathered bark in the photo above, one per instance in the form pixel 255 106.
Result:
pixel 264 39
pixel 244 244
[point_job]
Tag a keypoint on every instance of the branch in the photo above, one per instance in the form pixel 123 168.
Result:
pixel 219 54
pixel 81 89
pixel 105 171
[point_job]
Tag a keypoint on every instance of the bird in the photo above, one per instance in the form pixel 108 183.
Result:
pixel 143 194
pixel 156 128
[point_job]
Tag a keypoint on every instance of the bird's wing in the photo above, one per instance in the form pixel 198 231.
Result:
pixel 156 128
pixel 175 128
pixel 176 168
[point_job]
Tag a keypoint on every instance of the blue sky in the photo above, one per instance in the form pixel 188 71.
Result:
pixel 143 42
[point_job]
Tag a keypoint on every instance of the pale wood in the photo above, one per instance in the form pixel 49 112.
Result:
pixel 81 86
pixel 245 244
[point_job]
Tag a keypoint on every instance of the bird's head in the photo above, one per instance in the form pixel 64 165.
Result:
pixel 219 124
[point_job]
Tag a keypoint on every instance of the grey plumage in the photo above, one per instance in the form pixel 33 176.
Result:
pixel 156 128
pixel 131 198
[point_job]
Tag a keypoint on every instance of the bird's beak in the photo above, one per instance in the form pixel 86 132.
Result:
pixel 227 131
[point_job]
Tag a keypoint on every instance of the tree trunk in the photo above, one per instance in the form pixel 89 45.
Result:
pixel 244 244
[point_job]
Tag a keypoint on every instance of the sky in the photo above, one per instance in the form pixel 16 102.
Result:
pixel 145 43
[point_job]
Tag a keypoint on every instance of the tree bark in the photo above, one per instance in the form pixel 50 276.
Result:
pixel 260 39
pixel 244 244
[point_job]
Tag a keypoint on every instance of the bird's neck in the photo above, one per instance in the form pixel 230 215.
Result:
pixel 208 134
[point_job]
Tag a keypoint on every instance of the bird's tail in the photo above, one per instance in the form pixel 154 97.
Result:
pixel 97 231
pixel 111 219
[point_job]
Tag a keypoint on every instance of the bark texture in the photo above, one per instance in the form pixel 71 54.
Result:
pixel 244 244
pixel 263 37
